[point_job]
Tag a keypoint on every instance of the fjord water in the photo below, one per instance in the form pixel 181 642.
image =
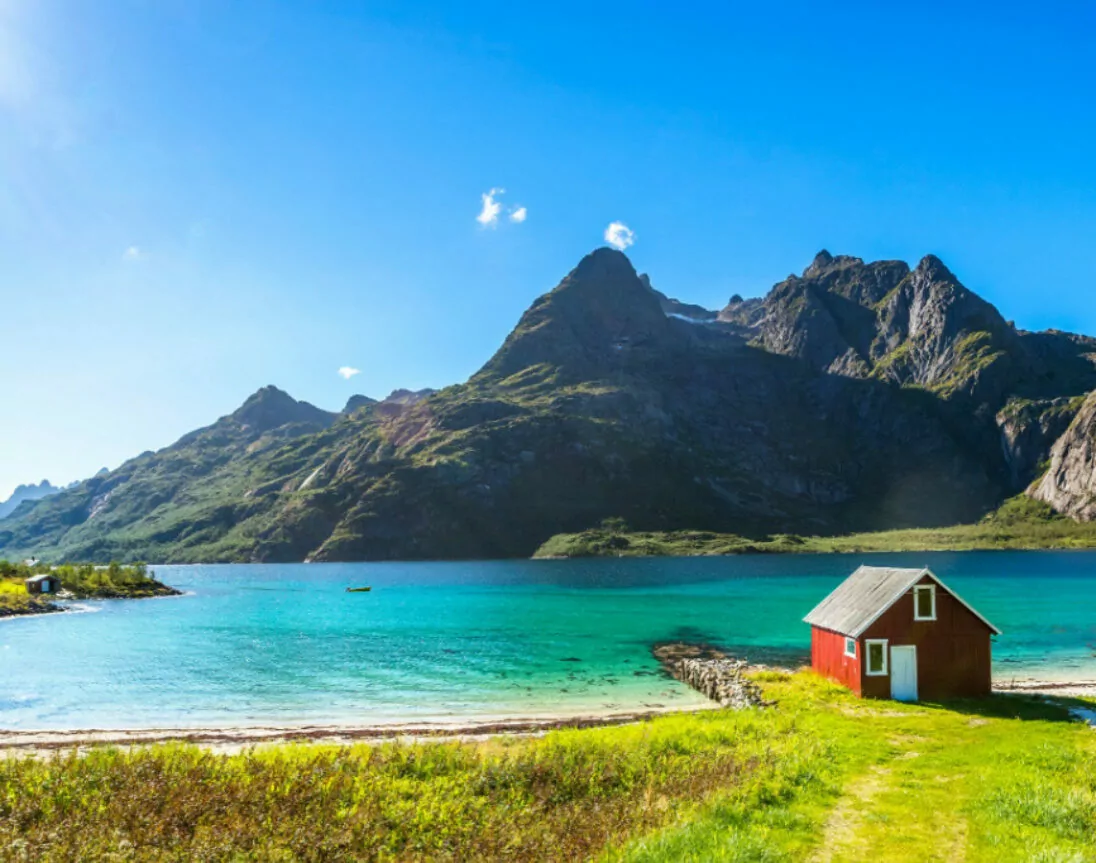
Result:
pixel 460 642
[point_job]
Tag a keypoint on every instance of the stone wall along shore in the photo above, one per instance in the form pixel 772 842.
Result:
pixel 712 673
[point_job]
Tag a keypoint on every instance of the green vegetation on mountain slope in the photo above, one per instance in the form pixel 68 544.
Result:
pixel 819 775
pixel 1021 523
pixel 856 397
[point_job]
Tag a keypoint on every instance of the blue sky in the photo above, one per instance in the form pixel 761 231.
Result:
pixel 201 198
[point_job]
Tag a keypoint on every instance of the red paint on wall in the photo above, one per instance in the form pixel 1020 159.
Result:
pixel 953 652
pixel 828 658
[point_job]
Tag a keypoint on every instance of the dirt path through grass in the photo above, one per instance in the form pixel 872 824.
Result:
pixel 844 828
pixel 968 784
pixel 874 820
pixel 1010 778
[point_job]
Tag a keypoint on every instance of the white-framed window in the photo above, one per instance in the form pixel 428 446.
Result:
pixel 850 647
pixel 924 602
pixel 875 657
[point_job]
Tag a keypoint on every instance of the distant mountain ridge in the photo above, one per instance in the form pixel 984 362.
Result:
pixel 24 493
pixel 854 396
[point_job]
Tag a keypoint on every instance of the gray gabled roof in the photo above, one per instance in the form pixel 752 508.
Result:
pixel 41 577
pixel 861 599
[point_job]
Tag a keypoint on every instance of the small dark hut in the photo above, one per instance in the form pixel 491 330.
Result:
pixel 901 634
pixel 45 583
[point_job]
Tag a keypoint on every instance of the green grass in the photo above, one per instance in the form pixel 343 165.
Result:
pixel 820 776
pixel 1021 523
pixel 998 780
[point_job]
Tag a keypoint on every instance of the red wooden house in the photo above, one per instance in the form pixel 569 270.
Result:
pixel 901 634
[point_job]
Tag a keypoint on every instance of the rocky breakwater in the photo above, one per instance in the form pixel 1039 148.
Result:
pixel 712 673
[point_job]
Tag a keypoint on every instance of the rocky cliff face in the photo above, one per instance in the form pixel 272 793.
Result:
pixel 855 396
pixel 1028 430
pixel 919 327
pixel 1069 485
pixel 596 320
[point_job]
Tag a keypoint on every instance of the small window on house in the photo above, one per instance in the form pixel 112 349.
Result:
pixel 924 602
pixel 850 647
pixel 876 650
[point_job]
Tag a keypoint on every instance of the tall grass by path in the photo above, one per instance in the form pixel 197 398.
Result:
pixel 563 797
pixel 1004 779
pixel 996 780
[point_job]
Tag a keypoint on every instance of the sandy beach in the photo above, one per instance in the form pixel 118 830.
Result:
pixel 235 739
pixel 229 740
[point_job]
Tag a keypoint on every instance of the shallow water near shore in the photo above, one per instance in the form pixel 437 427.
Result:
pixel 463 642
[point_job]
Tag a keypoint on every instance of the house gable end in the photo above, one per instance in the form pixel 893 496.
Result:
pixel 926 576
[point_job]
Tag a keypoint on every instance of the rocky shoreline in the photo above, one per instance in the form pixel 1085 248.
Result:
pixel 34 605
pixel 712 673
pixel 30 608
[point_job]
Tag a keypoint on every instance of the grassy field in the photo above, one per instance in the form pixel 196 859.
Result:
pixel 820 776
pixel 1021 523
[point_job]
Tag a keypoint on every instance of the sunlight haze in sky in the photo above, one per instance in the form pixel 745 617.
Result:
pixel 198 199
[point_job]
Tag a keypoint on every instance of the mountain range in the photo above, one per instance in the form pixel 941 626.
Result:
pixel 26 492
pixel 855 396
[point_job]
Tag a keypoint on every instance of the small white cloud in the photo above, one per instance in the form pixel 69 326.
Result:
pixel 347 372
pixel 489 215
pixel 619 236
pixel 518 215
pixel 133 253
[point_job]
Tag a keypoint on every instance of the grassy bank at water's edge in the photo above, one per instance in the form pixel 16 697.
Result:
pixel 1020 523
pixel 821 775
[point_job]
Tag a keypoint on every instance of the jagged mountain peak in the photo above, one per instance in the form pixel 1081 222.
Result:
pixel 269 394
pixel 684 427
pixel 824 262
pixel 270 408
pixel 591 321
pixel 357 402
pixel 933 268
pixel 603 262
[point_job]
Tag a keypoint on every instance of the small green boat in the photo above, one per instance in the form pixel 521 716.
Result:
pixel 358 589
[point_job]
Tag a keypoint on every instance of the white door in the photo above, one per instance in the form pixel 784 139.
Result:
pixel 903 669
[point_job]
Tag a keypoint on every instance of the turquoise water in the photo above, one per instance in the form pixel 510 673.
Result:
pixel 454 642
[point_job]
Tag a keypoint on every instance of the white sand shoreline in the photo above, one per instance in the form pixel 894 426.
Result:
pixel 237 738
pixel 234 739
